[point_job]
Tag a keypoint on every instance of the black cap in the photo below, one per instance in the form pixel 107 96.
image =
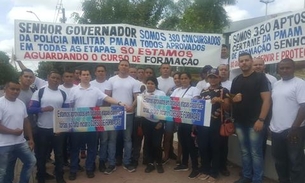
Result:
pixel 213 72
pixel 206 68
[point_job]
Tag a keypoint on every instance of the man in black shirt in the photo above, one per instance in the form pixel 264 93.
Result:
pixel 251 103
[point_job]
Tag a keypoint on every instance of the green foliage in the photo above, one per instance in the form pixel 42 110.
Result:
pixel 207 16
pixel 4 58
pixel 136 12
pixel 7 71
pixel 45 67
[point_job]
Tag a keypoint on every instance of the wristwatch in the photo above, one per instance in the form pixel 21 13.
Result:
pixel 261 119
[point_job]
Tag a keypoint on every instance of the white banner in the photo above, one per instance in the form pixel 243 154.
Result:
pixel 103 43
pixel 273 40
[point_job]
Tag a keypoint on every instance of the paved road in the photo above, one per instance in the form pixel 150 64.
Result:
pixel 122 176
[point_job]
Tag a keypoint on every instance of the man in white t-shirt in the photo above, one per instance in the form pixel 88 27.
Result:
pixel 107 138
pixel 287 124
pixel 43 103
pixel 85 95
pixel 67 85
pixel 125 88
pixel 166 82
pixel 259 66
pixel 13 122
pixel 224 56
pixel 37 82
pixel 224 75
pixel 67 79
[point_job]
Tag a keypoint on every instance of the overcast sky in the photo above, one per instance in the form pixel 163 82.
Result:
pixel 46 11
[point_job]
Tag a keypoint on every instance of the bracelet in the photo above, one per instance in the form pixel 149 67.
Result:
pixel 119 103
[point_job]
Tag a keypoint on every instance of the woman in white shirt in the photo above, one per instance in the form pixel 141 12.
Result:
pixel 153 131
pixel 185 130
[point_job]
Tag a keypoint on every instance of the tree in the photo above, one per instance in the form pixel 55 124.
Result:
pixel 7 71
pixel 146 13
pixel 207 16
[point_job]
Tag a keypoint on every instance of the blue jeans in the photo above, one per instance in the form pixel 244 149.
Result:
pixel 127 136
pixel 9 155
pixel 251 144
pixel 76 142
pixel 108 147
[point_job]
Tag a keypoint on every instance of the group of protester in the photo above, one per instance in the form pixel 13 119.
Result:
pixel 253 99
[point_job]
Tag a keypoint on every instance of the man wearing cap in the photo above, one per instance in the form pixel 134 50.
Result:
pixel 251 103
pixel 203 84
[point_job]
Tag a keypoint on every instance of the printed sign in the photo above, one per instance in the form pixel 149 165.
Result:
pixel 272 40
pixel 89 119
pixel 106 43
pixel 179 110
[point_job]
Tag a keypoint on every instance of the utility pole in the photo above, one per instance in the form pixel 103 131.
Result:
pixel 63 19
pixel 266 2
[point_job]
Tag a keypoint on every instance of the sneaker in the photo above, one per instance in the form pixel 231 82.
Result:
pixel 211 180
pixel 110 169
pixel 243 180
pixel 90 174
pixel 83 154
pixel 165 161
pixel 203 176
pixel 225 173
pixel 129 168
pixel 180 168
pixel 160 168
pixel 102 166
pixel 194 174
pixel 150 167
pixel 49 177
pixel 72 176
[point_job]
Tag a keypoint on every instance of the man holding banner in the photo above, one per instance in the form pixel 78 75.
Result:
pixel 125 88
pixel 43 103
pixel 86 95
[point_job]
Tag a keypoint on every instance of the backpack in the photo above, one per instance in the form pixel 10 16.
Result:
pixel 41 91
